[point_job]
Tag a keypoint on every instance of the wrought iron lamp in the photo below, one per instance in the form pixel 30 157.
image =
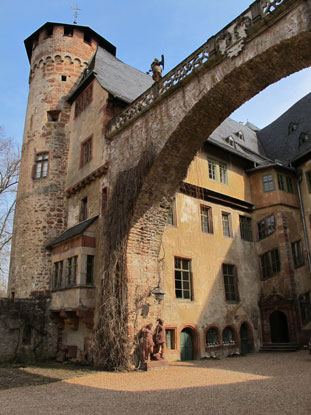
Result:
pixel 159 294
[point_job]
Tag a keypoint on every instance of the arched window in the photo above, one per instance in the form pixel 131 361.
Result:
pixel 212 337
pixel 227 336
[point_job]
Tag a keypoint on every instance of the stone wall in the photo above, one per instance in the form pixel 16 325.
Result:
pixel 27 333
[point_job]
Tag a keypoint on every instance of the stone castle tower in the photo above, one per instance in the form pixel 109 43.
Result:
pixel 58 55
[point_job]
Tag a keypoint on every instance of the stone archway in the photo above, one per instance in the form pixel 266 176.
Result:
pixel 246 338
pixel 163 131
pixel 188 343
pixel 278 327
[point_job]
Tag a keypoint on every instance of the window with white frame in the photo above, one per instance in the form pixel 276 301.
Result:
pixel 217 171
pixel 206 219
pixel 41 165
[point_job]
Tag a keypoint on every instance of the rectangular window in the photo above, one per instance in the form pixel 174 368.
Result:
pixel 58 274
pixel 206 219
pixel 217 171
pixel 268 183
pixel 183 279
pixel 285 183
pixel 83 100
pixel 246 228
pixel 90 269
pixel 226 224
pixel 72 271
pixel 223 177
pixel 41 165
pixel 297 254
pixel 83 209
pixel 170 335
pixel 68 30
pixel 281 182
pixel 289 185
pixel 171 217
pixel 230 282
pixel 53 115
pixel 86 151
pixel 266 227
pixel 212 170
pixel 308 179
pixel 270 263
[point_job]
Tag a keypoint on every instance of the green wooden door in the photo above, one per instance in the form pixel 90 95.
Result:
pixel 244 339
pixel 186 348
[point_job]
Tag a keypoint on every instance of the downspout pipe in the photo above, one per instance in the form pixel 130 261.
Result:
pixel 303 216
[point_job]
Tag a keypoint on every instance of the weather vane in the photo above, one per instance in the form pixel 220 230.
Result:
pixel 76 14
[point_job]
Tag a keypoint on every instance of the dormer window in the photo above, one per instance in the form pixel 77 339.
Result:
pixel 303 138
pixel 240 135
pixel 292 126
pixel 230 140
pixel 68 30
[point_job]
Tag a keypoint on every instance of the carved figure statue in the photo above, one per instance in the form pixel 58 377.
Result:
pixel 147 343
pixel 156 69
pixel 160 340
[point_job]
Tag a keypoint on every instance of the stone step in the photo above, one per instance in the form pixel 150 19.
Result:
pixel 279 347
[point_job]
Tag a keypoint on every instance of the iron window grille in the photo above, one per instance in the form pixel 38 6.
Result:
pixel 212 337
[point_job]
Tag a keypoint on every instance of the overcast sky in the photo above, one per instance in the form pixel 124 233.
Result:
pixel 141 30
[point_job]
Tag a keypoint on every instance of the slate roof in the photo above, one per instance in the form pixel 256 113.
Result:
pixel 72 232
pixel 121 80
pixel 247 147
pixel 278 142
pixel 101 41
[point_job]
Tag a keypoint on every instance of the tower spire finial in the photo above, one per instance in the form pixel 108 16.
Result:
pixel 76 13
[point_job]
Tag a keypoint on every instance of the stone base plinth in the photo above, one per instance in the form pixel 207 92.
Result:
pixel 155 365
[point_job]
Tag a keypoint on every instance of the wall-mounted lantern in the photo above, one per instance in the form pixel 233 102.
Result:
pixel 159 294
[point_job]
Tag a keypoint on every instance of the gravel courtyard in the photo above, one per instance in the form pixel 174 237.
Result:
pixel 257 384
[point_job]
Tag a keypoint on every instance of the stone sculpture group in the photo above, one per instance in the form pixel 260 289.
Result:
pixel 153 344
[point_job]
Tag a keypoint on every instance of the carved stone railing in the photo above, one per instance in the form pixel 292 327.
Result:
pixel 268 6
pixel 229 42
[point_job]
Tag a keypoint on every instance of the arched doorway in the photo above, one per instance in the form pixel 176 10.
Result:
pixel 244 339
pixel 278 327
pixel 186 344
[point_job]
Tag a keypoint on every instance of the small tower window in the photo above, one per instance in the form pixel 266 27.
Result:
pixel 35 42
pixel 83 209
pixel 68 31
pixel 86 151
pixel 53 115
pixel 41 166
pixel 64 78
pixel 89 269
pixel 49 31
pixel 87 37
